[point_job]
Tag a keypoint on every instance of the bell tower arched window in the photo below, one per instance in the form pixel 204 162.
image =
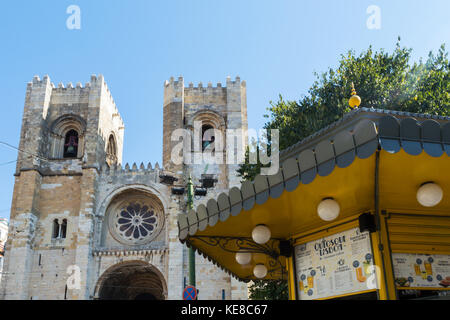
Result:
pixel 207 136
pixel 205 125
pixel 111 151
pixel 71 144
pixel 67 137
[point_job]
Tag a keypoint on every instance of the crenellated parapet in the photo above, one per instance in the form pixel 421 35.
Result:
pixel 200 88
pixel 179 83
pixel 75 93
pixel 127 168
pixel 38 82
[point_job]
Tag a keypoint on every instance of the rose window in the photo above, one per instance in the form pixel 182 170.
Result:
pixel 135 222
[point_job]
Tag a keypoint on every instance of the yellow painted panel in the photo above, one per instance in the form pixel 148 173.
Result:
pixel 416 220
pixel 291 278
pixel 328 231
pixel 296 212
pixel 402 174
pixel 414 238
pixel 419 234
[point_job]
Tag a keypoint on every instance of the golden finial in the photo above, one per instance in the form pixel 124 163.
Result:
pixel 354 100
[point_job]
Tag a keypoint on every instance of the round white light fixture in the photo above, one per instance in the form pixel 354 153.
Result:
pixel 429 194
pixel 261 234
pixel 243 257
pixel 260 271
pixel 328 209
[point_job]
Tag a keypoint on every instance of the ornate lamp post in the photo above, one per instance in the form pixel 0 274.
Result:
pixel 190 205
pixel 207 181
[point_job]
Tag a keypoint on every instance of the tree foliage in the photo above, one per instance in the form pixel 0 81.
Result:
pixel 269 290
pixel 247 170
pixel 383 81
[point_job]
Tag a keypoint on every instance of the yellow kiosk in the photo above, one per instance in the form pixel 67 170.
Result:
pixel 359 210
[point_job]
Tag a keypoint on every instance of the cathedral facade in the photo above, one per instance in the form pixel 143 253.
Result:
pixel 85 226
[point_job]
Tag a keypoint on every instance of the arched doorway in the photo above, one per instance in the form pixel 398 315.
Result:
pixel 135 280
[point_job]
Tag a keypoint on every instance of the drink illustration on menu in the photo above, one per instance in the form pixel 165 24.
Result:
pixel 421 270
pixel 336 265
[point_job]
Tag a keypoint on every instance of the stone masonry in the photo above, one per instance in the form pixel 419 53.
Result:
pixel 82 227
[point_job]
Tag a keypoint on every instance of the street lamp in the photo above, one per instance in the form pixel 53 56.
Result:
pixel 260 271
pixel 261 234
pixel 243 258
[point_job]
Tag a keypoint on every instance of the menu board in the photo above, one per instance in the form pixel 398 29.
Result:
pixel 421 270
pixel 335 265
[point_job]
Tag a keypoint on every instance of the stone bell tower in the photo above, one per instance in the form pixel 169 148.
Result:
pixel 67 134
pixel 223 110
pixel 208 112
pixel 69 235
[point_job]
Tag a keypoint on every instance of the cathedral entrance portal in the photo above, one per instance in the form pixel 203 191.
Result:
pixel 136 280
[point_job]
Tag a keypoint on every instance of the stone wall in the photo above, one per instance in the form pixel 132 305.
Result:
pixel 80 190
pixel 47 189
pixel 223 108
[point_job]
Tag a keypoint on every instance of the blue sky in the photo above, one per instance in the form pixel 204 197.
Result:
pixel 137 44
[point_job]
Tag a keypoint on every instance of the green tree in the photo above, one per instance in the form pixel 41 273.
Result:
pixel 247 170
pixel 269 290
pixel 383 81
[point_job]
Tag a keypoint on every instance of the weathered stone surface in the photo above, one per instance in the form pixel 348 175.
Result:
pixel 87 195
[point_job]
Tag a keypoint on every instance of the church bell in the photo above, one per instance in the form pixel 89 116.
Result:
pixel 71 146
